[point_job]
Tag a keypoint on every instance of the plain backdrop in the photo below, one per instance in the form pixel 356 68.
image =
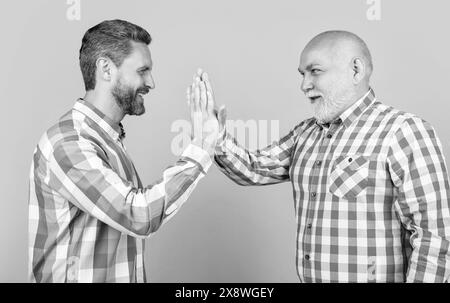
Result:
pixel 224 233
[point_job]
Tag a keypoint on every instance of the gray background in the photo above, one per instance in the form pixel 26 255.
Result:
pixel 225 233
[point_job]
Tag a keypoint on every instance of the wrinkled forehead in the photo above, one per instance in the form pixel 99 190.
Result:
pixel 329 52
pixel 316 55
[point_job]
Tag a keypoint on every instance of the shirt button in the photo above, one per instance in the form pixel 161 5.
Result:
pixel 350 159
pixel 329 136
pixel 307 257
pixel 318 162
pixel 313 195
pixel 309 225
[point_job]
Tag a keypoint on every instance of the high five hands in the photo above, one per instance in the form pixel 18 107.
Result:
pixel 207 122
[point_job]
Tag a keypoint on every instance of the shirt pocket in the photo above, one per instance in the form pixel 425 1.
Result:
pixel 349 176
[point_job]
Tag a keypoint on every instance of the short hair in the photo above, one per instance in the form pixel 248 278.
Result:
pixel 111 39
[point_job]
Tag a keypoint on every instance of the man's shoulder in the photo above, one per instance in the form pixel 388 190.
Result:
pixel 66 127
pixel 69 128
pixel 393 115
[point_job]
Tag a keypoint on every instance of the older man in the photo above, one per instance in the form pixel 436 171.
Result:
pixel 370 182
pixel 88 210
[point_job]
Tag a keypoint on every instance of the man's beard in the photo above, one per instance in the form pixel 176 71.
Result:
pixel 325 110
pixel 128 98
pixel 328 108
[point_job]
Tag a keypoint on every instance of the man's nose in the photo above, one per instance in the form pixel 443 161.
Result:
pixel 149 81
pixel 306 84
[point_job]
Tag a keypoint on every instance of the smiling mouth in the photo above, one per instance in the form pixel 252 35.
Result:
pixel 142 94
pixel 314 98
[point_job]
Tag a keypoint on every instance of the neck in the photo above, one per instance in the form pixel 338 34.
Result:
pixel 105 102
pixel 361 91
pixel 351 99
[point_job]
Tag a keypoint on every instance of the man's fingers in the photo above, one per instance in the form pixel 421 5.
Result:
pixel 205 79
pixel 197 114
pixel 188 96
pixel 209 90
pixel 209 93
pixel 192 111
pixel 192 96
pixel 210 106
pixel 197 97
pixel 203 97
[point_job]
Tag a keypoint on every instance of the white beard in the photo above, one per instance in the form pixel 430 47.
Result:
pixel 326 110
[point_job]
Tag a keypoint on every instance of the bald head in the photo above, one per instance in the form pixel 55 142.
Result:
pixel 343 46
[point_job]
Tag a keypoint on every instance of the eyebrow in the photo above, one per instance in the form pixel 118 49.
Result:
pixel 308 68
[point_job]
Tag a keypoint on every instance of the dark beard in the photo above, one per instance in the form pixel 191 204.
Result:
pixel 126 98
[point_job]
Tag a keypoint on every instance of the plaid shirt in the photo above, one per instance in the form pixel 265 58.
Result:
pixel 371 194
pixel 88 210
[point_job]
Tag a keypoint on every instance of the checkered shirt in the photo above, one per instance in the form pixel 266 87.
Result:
pixel 88 211
pixel 371 194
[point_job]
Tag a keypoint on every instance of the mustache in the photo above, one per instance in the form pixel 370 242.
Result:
pixel 312 95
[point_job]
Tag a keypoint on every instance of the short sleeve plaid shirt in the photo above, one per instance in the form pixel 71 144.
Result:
pixel 371 194
pixel 88 210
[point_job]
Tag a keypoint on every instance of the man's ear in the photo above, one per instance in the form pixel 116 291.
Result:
pixel 105 68
pixel 359 70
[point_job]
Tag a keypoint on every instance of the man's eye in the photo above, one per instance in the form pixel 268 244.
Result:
pixel 315 71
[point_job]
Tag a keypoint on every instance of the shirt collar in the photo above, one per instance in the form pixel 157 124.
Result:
pixel 115 130
pixel 354 111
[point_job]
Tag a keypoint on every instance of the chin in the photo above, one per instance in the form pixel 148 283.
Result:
pixel 327 112
pixel 137 109
pixel 138 112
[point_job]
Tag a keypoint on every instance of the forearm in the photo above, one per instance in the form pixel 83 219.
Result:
pixel 95 188
pixel 181 181
pixel 429 261
pixel 262 167
pixel 426 215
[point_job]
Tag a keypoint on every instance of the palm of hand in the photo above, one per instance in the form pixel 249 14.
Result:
pixel 205 126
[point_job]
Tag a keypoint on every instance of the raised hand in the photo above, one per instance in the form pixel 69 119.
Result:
pixel 221 114
pixel 205 126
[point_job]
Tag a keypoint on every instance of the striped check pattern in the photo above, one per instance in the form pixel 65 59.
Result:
pixel 88 211
pixel 371 194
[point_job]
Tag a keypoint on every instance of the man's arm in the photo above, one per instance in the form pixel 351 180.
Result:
pixel 418 170
pixel 80 172
pixel 262 167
